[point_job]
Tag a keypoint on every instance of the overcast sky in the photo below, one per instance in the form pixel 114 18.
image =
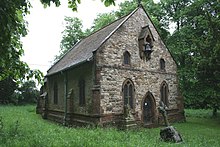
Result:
pixel 46 24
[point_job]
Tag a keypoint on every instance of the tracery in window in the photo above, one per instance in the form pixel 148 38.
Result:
pixel 128 93
pixel 164 93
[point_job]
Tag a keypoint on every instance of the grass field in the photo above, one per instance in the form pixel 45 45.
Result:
pixel 20 126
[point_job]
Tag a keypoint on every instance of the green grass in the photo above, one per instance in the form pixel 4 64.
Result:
pixel 31 130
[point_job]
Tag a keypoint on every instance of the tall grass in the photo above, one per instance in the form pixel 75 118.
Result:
pixel 22 127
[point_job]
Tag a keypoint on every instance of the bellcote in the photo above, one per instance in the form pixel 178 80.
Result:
pixel 146 41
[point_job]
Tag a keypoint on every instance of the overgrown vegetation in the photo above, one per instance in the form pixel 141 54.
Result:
pixel 20 126
pixel 18 94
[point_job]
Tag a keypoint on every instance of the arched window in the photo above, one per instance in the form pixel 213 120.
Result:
pixel 127 58
pixel 128 93
pixel 55 92
pixel 164 93
pixel 162 64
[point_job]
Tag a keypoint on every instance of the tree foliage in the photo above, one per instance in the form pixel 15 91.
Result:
pixel 12 28
pixel 13 71
pixel 154 10
pixel 27 93
pixel 73 32
pixel 71 35
pixel 103 20
pixel 7 88
pixel 73 4
pixel 196 47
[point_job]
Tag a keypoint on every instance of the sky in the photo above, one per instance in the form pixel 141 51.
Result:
pixel 45 26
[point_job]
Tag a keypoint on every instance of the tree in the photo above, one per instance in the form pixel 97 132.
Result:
pixel 173 11
pixel 195 46
pixel 73 4
pixel 28 92
pixel 155 12
pixel 71 35
pixel 12 28
pixel 103 20
pixel 25 93
pixel 7 88
pixel 73 32
pixel 206 31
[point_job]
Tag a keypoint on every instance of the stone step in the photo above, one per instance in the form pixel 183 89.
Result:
pixel 129 122
pixel 130 126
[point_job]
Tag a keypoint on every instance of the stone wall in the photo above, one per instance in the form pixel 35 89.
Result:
pixel 146 75
pixel 105 75
pixel 59 79
pixel 85 71
pixel 56 111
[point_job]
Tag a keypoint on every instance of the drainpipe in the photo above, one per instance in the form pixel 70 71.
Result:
pixel 65 99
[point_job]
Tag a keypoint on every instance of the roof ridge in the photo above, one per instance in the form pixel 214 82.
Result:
pixel 64 54
pixel 84 52
pixel 85 38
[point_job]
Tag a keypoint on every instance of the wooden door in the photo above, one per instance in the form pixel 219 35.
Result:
pixel 148 110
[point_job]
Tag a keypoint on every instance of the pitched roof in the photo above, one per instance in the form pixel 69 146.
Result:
pixel 83 50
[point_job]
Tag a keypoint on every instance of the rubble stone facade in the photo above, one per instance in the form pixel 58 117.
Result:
pixel 123 72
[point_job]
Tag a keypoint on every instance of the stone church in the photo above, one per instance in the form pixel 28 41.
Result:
pixel 116 76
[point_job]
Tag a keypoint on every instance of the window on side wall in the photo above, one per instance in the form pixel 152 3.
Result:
pixel 55 90
pixel 128 94
pixel 82 101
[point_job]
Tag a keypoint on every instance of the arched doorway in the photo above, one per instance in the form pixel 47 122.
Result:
pixel 148 109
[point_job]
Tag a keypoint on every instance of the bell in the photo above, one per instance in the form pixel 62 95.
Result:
pixel 147 50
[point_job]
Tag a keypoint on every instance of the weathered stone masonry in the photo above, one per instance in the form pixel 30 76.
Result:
pixel 146 76
pixel 99 61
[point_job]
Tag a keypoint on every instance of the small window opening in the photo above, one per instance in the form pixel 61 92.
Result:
pixel 127 58
pixel 162 64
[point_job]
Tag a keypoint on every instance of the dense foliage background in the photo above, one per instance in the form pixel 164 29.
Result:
pixel 14 73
